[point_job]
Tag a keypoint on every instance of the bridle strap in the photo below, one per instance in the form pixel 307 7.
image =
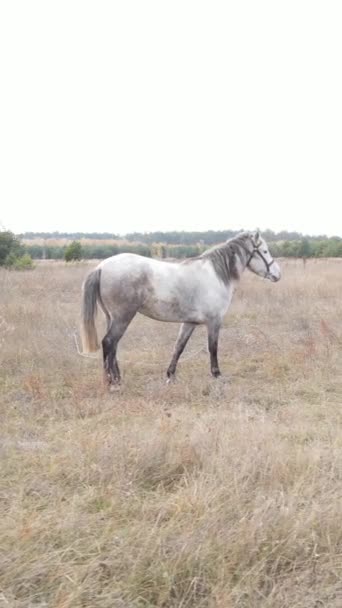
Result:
pixel 267 264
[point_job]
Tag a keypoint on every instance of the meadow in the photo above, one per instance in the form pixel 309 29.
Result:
pixel 200 494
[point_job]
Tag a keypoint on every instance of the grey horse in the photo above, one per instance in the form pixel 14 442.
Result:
pixel 196 291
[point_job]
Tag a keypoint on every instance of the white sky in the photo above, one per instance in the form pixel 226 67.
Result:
pixel 171 115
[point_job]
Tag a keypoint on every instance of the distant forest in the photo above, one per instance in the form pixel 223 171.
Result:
pixel 175 244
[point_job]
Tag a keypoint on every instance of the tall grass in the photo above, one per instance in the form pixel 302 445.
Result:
pixel 200 494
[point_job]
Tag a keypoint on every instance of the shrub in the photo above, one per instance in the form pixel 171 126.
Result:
pixel 73 252
pixel 23 262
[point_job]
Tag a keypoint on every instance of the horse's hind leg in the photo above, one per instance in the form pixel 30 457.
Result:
pixel 184 334
pixel 110 364
pixel 110 342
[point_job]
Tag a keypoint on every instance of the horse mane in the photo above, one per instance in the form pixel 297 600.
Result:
pixel 224 257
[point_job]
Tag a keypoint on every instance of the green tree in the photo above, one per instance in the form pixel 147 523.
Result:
pixel 9 247
pixel 304 248
pixel 73 252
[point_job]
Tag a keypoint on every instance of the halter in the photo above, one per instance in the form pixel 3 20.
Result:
pixel 267 264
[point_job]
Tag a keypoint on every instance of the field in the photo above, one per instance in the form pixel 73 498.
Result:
pixel 204 493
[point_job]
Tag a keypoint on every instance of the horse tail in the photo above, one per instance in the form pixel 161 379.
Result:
pixel 91 295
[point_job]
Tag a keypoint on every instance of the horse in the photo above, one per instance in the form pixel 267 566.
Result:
pixel 195 291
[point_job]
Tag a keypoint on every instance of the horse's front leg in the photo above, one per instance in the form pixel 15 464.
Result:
pixel 213 335
pixel 183 337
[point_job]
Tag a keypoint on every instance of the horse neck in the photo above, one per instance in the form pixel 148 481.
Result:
pixel 241 259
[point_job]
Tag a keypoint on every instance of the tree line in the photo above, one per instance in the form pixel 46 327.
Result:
pixel 302 248
pixel 176 237
pixel 15 254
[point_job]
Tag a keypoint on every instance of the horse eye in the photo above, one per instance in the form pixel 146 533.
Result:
pixel 265 250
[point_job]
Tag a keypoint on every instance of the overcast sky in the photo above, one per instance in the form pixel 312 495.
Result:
pixel 171 115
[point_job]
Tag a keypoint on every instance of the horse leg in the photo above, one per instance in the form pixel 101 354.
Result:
pixel 110 364
pixel 109 347
pixel 183 337
pixel 213 334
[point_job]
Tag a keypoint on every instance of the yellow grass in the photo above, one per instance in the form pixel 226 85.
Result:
pixel 205 493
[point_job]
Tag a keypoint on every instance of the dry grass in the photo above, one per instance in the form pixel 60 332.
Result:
pixel 201 494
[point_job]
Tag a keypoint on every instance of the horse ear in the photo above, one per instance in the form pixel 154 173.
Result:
pixel 256 237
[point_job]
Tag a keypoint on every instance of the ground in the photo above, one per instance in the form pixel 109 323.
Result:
pixel 204 493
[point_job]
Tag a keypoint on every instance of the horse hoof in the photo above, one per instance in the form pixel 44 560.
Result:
pixel 114 388
pixel 216 373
